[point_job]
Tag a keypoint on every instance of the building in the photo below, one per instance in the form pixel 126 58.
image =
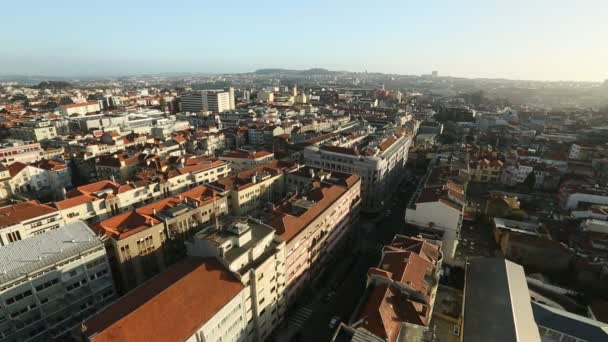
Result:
pixel 248 191
pixel 146 240
pixel 485 170
pixel 381 166
pixel 194 300
pixel 241 160
pixel 314 223
pixel 27 219
pixel 33 131
pixel 208 101
pixel 438 209
pixel 43 179
pixel 256 256
pixel 400 295
pixel 497 305
pixel 20 152
pixel 79 109
pixel 52 282
pixel 560 325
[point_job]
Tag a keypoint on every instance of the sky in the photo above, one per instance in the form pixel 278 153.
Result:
pixel 533 39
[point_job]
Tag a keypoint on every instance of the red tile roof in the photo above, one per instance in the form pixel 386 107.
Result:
pixel 76 105
pixel 172 306
pixel 20 212
pixel 15 168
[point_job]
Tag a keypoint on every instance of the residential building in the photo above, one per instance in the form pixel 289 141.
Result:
pixel 497 305
pixel 241 160
pixel 400 295
pixel 256 256
pixel 485 170
pixel 208 101
pixel 33 131
pixel 381 166
pixel 79 109
pixel 559 325
pixel 27 219
pixel 248 191
pixel 5 182
pixel 52 282
pixel 194 300
pixel 438 208
pixel 20 152
pixel 146 240
pixel 314 223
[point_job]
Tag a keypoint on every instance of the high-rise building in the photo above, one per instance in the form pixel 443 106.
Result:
pixel 215 101
pixel 52 282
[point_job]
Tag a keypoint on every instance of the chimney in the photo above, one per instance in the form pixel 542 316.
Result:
pixel 153 211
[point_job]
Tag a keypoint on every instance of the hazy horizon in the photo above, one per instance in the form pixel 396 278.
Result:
pixel 519 40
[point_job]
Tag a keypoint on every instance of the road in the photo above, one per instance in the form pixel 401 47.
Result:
pixel 348 278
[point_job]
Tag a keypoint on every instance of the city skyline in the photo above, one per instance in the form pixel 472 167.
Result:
pixel 548 41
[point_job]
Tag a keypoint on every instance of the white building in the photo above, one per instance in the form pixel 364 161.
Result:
pixel 17 151
pixel 79 108
pixel 381 166
pixel 256 256
pixel 215 101
pixel 33 131
pixel 52 282
pixel 242 160
pixel 27 219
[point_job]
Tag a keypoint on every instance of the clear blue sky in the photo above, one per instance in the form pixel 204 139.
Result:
pixel 534 39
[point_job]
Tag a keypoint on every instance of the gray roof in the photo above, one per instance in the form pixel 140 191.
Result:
pixel 29 255
pixel 497 303
pixel 570 324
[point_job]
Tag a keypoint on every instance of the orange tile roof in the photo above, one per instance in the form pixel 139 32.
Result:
pixel 172 306
pixel 76 105
pixel 93 187
pixel 51 165
pixel 289 226
pixel 24 211
pixel 74 201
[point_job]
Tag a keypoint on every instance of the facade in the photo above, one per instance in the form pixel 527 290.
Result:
pixel 52 282
pixel 438 210
pixel 252 251
pixel 79 109
pixel 27 219
pixel 34 131
pixel 208 101
pixel 24 153
pixel 195 300
pixel 146 240
pixel 248 191
pixel 314 222
pixel 381 168
pixel 485 170
pixel 241 160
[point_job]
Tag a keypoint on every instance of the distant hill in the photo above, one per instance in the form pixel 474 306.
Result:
pixel 291 72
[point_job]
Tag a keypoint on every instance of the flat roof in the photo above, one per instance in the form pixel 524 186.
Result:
pixel 25 256
pixel 570 324
pixel 497 303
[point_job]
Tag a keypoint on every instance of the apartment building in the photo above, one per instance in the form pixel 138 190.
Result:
pixel 437 207
pixel 381 165
pixel 144 241
pixel 249 190
pixel 485 170
pixel 79 109
pixel 208 101
pixel 45 178
pixel 99 200
pixel 5 182
pixel 33 131
pixel 252 251
pixel 197 299
pixel 402 287
pixel 314 222
pixel 20 152
pixel 27 219
pixel 241 160
pixel 52 282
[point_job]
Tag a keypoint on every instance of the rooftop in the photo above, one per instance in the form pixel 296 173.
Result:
pixel 16 213
pixel 170 307
pixel 25 256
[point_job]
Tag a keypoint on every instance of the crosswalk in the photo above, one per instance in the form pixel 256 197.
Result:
pixel 299 317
